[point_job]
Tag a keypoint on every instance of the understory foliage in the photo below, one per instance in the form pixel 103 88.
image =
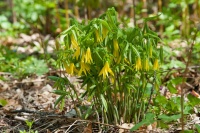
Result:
pixel 118 67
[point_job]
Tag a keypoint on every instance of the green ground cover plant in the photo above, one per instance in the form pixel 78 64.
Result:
pixel 19 64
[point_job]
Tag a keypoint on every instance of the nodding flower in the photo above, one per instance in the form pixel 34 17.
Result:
pixel 98 38
pixel 155 65
pixel 70 68
pixel 88 57
pixel 84 68
pixel 116 48
pixel 77 53
pixel 105 70
pixel 74 42
pixel 104 32
pixel 146 64
pixel 138 64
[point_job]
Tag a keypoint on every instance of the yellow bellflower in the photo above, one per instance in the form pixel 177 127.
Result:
pixel 98 38
pixel 105 70
pixel 155 65
pixel 146 64
pixel 74 42
pixel 88 57
pixel 84 68
pixel 77 53
pixel 138 64
pixel 104 32
pixel 116 48
pixel 70 68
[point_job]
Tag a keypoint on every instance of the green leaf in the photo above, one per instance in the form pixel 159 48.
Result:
pixel 171 88
pixel 152 17
pixel 149 119
pixel 60 92
pixel 161 124
pixel 177 80
pixel 105 105
pixel 3 102
pixel 29 123
pixel 88 112
pixel 188 131
pixel 169 118
pixel 104 23
pixel 197 127
pixel 34 16
pixel 59 100
pixel 67 30
pixel 188 109
pixel 54 78
pixel 116 113
pixel 193 100
pixel 34 66
pixel 161 100
pixel 135 50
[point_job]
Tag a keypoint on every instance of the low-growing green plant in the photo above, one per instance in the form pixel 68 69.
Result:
pixel 19 64
pixel 117 66
pixel 29 124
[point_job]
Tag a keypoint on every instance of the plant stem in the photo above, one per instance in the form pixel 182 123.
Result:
pixel 185 74
pixel 134 14
pixel 57 15
pixel 66 13
pixel 152 89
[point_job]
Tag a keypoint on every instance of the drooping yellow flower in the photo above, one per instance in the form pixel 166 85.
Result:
pixel 104 32
pixel 77 53
pixel 126 61
pixel 74 42
pixel 88 57
pixel 105 70
pixel 98 38
pixel 138 64
pixel 70 68
pixel 155 65
pixel 146 65
pixel 116 48
pixel 119 59
pixel 84 68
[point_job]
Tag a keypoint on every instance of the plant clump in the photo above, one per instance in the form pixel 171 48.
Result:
pixel 117 66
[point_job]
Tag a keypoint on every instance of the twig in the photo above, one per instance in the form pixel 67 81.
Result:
pixel 43 125
pixel 20 118
pixel 88 121
pixel 70 126
pixel 189 67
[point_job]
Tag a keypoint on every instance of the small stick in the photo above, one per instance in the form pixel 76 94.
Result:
pixel 71 126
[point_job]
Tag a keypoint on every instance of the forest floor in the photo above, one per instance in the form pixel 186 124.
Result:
pixel 31 98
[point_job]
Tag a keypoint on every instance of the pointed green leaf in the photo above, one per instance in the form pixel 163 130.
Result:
pixel 105 105
pixel 169 118
pixel 54 78
pixel 197 127
pixel 149 119
pixel 193 100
